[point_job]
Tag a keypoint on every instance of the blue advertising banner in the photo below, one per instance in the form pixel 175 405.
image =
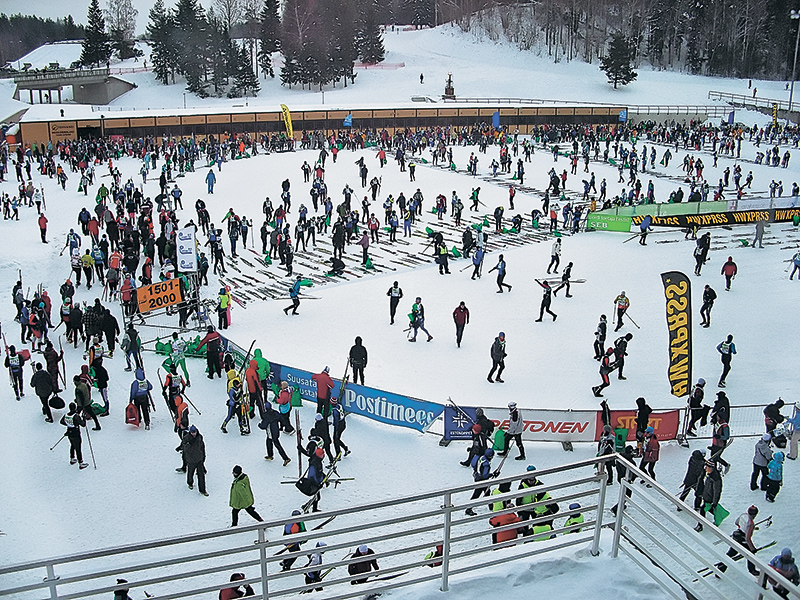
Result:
pixel 389 408
pixel 301 380
pixel 457 426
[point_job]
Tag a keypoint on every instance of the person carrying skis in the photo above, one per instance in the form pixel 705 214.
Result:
pixel 14 363
pixel 73 421
pixel 293 529
pixel 745 527
pixel 294 294
pixel 234 405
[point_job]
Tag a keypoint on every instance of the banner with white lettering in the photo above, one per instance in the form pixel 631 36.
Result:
pixel 540 425
pixel 186 250
pixel 389 408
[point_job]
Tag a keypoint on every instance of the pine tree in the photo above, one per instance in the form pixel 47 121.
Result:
pixel 164 52
pixel 370 41
pixel 96 49
pixel 192 43
pixel 618 61
pixel 269 38
pixel 245 81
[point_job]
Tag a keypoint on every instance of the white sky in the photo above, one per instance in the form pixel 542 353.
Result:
pixel 78 9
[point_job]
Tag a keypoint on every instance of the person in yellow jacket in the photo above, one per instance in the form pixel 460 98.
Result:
pixel 87 262
pixel 223 309
pixel 575 518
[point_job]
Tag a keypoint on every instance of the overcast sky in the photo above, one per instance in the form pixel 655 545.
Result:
pixel 78 9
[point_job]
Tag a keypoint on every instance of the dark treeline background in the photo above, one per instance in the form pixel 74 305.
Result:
pixel 19 34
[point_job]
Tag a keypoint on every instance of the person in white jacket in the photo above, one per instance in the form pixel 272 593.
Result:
pixel 514 431
pixel 555 256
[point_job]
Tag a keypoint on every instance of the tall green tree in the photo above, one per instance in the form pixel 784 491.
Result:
pixel 369 40
pixel 191 35
pixel 96 48
pixel 245 82
pixel 269 35
pixel 617 64
pixel 164 53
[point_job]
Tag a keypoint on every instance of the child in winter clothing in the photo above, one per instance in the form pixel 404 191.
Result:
pixel 774 476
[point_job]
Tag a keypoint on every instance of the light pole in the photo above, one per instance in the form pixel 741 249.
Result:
pixel 794 16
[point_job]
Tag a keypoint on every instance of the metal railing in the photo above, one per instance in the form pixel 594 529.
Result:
pixel 654 536
pixel 60 74
pixel 402 530
pixel 752 101
pixel 640 109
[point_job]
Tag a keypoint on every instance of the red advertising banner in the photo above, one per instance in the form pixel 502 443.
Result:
pixel 665 423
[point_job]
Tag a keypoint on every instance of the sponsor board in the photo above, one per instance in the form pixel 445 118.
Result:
pixel 389 408
pixel 539 425
pixel 772 215
pixel 664 423
pixel 186 250
pixel 601 222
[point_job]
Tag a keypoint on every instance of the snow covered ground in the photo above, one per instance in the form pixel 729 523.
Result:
pixel 480 68
pixel 50 508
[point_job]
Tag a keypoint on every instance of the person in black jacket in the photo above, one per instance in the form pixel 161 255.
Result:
pixel 73 421
pixel 269 423
pixel 110 329
pixel 364 566
pixel 600 338
pixel 642 417
pixel 694 472
pixel 101 379
pixel 394 293
pixel 772 415
pixel 722 409
pixel 358 360
pixel 498 353
pixel 697 410
pixel 194 455
pixel 42 384
pixel 709 295
pixel 712 491
pixel 321 430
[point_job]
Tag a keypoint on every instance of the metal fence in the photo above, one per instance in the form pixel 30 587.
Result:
pixel 402 531
pixel 666 546
pixel 750 101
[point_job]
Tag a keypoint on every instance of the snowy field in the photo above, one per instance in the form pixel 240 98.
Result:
pixel 51 508
pixel 480 68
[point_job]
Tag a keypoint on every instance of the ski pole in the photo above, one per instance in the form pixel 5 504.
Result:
pixel 185 397
pixel 91 450
pixel 59 441
pixel 631 320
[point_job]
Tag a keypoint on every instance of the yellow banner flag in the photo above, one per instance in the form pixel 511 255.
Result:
pixel 287 120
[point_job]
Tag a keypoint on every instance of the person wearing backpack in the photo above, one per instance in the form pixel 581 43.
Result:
pixel 140 396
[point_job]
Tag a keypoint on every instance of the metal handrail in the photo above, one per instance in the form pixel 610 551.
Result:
pixel 746 100
pixel 714 557
pixel 60 74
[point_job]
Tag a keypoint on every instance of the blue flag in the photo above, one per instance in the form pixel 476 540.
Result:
pixel 348 121
pixel 623 116
pixel 731 117
pixel 496 119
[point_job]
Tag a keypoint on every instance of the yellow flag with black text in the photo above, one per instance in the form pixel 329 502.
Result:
pixel 287 120
pixel 678 296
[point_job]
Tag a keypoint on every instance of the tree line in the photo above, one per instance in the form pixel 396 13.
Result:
pixel 19 34
pixel 731 38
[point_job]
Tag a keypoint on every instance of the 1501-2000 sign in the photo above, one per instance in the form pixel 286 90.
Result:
pixel 159 295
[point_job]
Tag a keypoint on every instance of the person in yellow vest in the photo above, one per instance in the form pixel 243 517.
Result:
pixel 222 308
pixel 575 518
pixel 499 505
pixel 524 484
pixel 542 510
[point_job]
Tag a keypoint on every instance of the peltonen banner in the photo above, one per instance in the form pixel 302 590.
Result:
pixel 738 217
pixel 677 292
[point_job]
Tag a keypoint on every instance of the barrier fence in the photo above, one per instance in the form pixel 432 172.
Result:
pixel 403 531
